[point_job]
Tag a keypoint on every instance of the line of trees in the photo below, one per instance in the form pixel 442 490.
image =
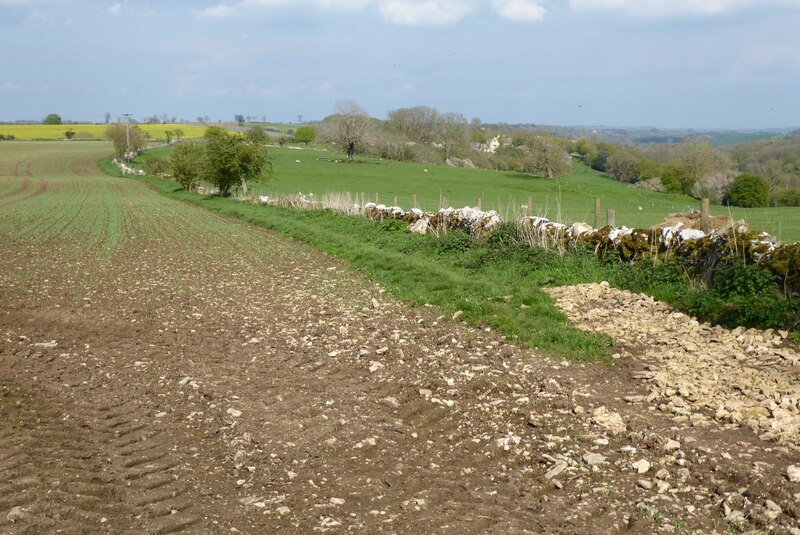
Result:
pixel 425 135
pixel 769 171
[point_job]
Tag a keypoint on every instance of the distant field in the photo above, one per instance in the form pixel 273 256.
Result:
pixel 733 138
pixel 46 131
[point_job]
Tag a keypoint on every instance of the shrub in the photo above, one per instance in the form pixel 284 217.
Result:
pixel 188 164
pixel 787 198
pixel 156 166
pixel 749 191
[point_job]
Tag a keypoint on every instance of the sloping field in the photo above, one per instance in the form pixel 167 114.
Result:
pixel 166 369
pixel 568 199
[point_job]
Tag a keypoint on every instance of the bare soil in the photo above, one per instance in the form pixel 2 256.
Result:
pixel 209 377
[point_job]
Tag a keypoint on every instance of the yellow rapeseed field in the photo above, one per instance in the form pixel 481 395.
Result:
pixel 95 131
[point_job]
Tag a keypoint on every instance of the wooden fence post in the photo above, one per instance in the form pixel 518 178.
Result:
pixel 479 203
pixel 414 200
pixel 597 219
pixel 530 205
pixel 394 202
pixel 612 218
pixel 705 223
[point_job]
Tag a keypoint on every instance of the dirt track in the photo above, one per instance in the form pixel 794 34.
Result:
pixel 172 370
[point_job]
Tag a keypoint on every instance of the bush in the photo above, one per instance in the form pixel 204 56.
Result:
pixel 787 198
pixel 188 164
pixel 749 191
pixel 156 166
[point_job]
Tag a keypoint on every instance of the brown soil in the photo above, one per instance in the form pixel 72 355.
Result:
pixel 210 377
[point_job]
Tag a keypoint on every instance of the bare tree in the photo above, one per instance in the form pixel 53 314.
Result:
pixel 351 126
pixel 451 129
pixel 417 124
pixel 107 117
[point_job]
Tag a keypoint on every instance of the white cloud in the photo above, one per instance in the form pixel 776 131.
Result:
pixel 28 2
pixel 679 8
pixel 254 90
pixel 425 12
pixel 217 12
pixel 520 10
pixel 7 87
pixel 243 7
pixel 401 12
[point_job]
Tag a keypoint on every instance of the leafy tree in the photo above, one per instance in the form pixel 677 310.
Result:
pixel 624 165
pixel 749 191
pixel 69 134
pixel 693 160
pixel 547 156
pixel 188 162
pixel 53 118
pixel 351 125
pixel 169 134
pixel 126 138
pixel 178 134
pixel 305 134
pixel 232 160
pixel 239 119
pixel 107 117
pixel 256 134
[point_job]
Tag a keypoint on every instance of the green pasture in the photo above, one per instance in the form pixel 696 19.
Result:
pixel 568 199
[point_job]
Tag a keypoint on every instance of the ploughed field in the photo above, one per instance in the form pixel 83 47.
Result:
pixel 165 369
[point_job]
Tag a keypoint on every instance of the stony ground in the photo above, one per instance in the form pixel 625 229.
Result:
pixel 171 370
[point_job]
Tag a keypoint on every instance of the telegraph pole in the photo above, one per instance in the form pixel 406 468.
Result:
pixel 127 134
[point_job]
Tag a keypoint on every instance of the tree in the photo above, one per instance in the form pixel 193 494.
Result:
pixel 351 126
pixel 107 116
pixel 624 165
pixel 749 191
pixel 305 134
pixel 547 156
pixel 256 134
pixel 417 124
pixel 126 138
pixel 694 159
pixel 232 160
pixel 53 118
pixel 451 131
pixel 239 119
pixel 188 163
pixel 178 134
pixel 69 134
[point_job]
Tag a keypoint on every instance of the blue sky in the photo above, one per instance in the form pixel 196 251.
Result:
pixel 662 63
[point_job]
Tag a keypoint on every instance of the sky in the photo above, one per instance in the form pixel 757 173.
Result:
pixel 658 63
